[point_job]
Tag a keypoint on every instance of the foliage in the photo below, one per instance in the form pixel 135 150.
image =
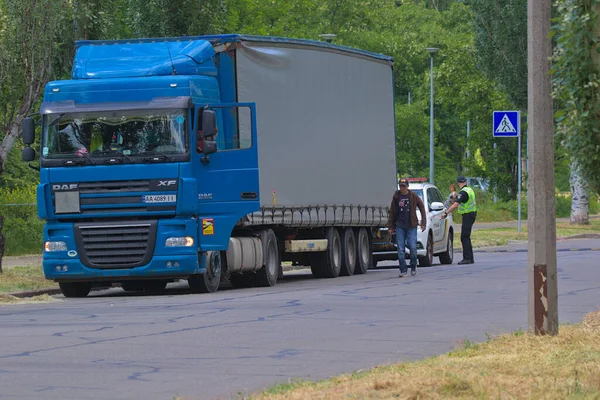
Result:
pixel 502 45
pixel 22 228
pixel 577 83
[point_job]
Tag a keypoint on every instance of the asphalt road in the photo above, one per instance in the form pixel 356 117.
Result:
pixel 113 345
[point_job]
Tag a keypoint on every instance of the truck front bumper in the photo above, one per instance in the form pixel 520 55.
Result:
pixel 172 266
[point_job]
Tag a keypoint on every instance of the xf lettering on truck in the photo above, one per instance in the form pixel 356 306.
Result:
pixel 64 187
pixel 167 183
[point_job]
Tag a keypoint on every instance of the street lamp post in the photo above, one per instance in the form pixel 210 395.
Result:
pixel 431 51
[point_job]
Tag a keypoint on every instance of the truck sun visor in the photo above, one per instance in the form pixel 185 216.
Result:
pixel 158 103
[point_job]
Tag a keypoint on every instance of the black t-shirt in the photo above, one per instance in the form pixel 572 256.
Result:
pixel 403 214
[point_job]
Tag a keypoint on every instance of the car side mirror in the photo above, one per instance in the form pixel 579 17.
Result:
pixel 28 154
pixel 28 131
pixel 437 206
pixel 209 123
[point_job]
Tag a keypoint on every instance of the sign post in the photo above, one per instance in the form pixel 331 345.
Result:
pixel 508 124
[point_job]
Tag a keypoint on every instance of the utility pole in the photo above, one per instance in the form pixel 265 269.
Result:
pixel 541 269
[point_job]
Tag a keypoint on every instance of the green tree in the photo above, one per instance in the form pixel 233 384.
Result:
pixel 31 33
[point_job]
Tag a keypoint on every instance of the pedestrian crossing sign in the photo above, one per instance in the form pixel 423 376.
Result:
pixel 507 123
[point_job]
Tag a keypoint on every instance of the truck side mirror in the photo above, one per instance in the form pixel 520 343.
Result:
pixel 209 123
pixel 28 131
pixel 28 154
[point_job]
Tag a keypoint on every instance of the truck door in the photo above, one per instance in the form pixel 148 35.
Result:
pixel 228 187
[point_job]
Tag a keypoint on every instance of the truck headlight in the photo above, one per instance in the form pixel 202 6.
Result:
pixel 55 246
pixel 186 241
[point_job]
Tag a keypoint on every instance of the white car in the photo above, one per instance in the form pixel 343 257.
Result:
pixel 436 241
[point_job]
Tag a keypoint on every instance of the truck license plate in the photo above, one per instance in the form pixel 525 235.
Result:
pixel 160 198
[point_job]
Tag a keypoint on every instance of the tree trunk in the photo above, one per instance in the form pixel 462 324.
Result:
pixel 580 201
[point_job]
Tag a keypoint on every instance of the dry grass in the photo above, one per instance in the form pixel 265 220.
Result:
pixel 24 278
pixel 517 366
pixel 6 299
pixel 501 236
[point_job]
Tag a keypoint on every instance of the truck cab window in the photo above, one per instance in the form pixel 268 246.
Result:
pixel 234 129
pixel 130 133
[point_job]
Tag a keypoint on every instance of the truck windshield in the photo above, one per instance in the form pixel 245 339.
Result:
pixel 131 134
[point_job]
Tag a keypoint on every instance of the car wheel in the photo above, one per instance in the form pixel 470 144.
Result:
pixel 447 257
pixel 427 260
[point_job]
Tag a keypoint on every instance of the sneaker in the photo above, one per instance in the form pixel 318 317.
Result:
pixel 466 262
pixel 413 271
pixel 403 274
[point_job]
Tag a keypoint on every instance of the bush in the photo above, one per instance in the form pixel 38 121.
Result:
pixel 22 229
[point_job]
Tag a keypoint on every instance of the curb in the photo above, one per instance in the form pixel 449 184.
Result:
pixel 32 293
pixel 525 250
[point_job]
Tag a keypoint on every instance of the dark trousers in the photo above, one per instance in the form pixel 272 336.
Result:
pixel 468 220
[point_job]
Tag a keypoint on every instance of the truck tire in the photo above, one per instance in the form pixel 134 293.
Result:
pixel 210 280
pixel 427 260
pixel 267 275
pixel 154 286
pixel 348 252
pixel 75 289
pixel 240 281
pixel 132 286
pixel 328 264
pixel 447 257
pixel 364 255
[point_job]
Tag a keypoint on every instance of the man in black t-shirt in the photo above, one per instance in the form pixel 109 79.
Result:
pixel 403 224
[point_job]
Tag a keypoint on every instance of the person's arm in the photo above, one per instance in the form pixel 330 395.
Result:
pixel 391 216
pixel 462 197
pixel 421 207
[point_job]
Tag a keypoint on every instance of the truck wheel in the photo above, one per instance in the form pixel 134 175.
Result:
pixel 364 255
pixel 209 281
pixel 333 254
pixel 240 281
pixel 267 275
pixel 154 286
pixel 427 260
pixel 448 256
pixel 132 286
pixel 75 289
pixel 348 252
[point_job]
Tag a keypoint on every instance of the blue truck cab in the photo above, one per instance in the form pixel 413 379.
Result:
pixel 128 148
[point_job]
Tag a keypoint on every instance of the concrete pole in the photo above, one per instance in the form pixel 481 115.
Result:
pixel 431 125
pixel 542 272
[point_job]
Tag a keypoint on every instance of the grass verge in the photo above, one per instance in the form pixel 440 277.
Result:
pixel 516 366
pixel 19 279
pixel 501 236
pixel 6 299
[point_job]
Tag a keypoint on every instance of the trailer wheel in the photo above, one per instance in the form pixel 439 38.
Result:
pixel 75 289
pixel 348 252
pixel 364 255
pixel 267 275
pixel 209 281
pixel 333 254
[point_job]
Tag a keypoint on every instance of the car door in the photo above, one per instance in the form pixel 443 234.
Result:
pixel 436 222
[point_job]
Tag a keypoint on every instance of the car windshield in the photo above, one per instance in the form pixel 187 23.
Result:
pixel 419 192
pixel 129 133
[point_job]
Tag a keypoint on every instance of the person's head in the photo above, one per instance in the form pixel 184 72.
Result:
pixel 403 185
pixel 462 181
pixel 452 187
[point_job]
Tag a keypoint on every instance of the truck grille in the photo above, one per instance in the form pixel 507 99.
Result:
pixel 111 246
pixel 117 186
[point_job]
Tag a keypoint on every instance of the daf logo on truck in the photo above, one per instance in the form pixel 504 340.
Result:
pixel 64 187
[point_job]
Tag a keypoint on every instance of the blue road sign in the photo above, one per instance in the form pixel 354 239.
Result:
pixel 507 123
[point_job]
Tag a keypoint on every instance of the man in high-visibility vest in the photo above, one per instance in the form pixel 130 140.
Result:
pixel 467 207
